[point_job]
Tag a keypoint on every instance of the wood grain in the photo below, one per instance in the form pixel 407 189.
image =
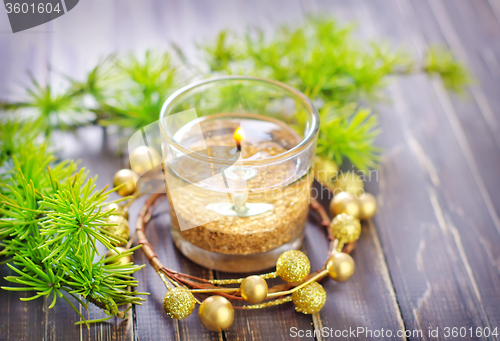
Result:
pixel 429 258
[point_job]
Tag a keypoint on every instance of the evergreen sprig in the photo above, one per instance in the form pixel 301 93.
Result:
pixel 51 109
pixel 51 221
pixel 321 57
pixel 337 71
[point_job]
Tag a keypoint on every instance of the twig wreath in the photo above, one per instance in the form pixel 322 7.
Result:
pixel 216 312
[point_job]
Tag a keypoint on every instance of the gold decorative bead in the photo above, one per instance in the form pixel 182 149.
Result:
pixel 309 299
pixel 122 260
pixel 344 202
pixel 120 230
pixel 124 176
pixel 340 266
pixel 368 205
pixel 324 170
pixel 143 159
pixel 349 182
pixel 178 303
pixel 345 228
pixel 216 313
pixel 293 266
pixel 118 210
pixel 254 289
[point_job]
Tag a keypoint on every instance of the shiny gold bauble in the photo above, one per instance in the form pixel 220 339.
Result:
pixel 122 260
pixel 368 205
pixel 349 182
pixel 309 299
pixel 344 202
pixel 216 313
pixel 293 266
pixel 178 303
pixel 253 289
pixel 345 228
pixel 324 170
pixel 126 177
pixel 118 210
pixel 141 158
pixel 120 230
pixel 340 266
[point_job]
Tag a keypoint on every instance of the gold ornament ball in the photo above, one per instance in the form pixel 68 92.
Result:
pixel 345 228
pixel 293 266
pixel 216 313
pixel 349 182
pixel 141 158
pixel 340 266
pixel 124 176
pixel 324 170
pixel 122 260
pixel 368 205
pixel 178 303
pixel 344 202
pixel 309 299
pixel 253 289
pixel 118 210
pixel 120 230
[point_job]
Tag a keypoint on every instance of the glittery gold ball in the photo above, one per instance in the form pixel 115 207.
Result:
pixel 324 170
pixel 124 176
pixel 309 299
pixel 345 228
pixel 143 159
pixel 122 260
pixel 178 303
pixel 120 230
pixel 117 210
pixel 216 313
pixel 368 205
pixel 293 266
pixel 340 266
pixel 253 289
pixel 349 182
pixel 344 202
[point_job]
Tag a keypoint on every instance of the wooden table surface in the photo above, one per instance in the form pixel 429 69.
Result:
pixel 429 259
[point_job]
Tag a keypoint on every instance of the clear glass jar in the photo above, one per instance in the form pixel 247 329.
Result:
pixel 237 204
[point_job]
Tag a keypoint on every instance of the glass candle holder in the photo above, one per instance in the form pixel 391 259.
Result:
pixel 238 153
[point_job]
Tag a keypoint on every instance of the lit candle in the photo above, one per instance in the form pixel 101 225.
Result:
pixel 239 136
pixel 254 205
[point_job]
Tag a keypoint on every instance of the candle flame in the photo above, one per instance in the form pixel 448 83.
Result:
pixel 239 135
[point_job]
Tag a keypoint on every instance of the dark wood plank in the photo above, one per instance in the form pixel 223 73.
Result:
pixel 476 114
pixel 152 322
pixel 353 303
pixel 20 320
pixel 18 53
pixel 437 259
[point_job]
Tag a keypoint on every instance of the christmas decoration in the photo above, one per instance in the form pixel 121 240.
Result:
pixel 309 299
pixel 216 313
pixel 179 303
pixel 340 266
pixel 293 266
pixel 124 180
pixel 348 182
pixel 345 228
pixel 345 202
pixel 254 289
pixel 368 206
